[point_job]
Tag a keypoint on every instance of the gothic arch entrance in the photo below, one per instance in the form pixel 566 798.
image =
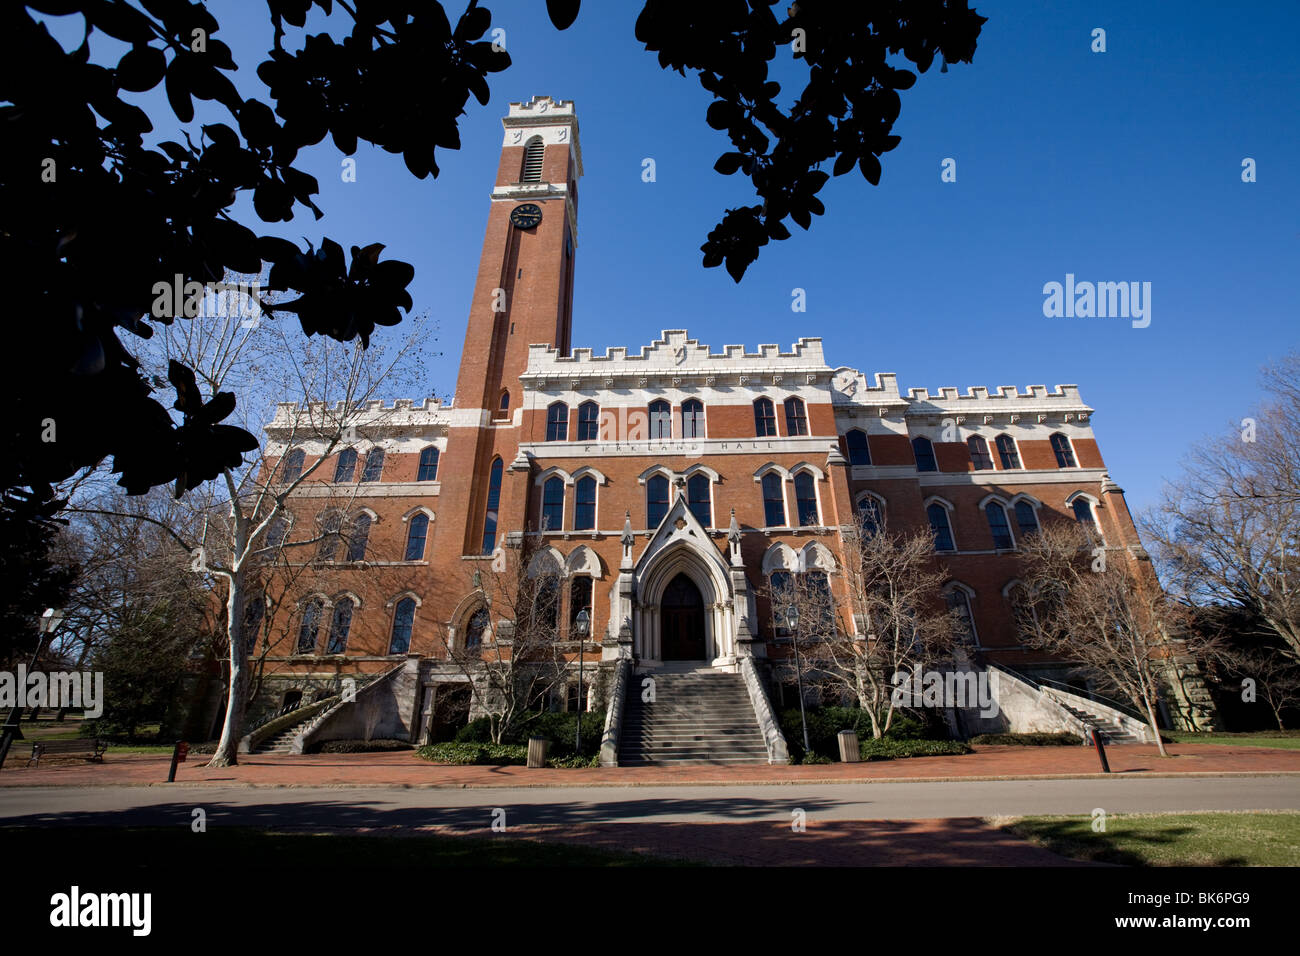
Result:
pixel 682 621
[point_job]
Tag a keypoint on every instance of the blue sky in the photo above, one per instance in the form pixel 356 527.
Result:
pixel 1115 166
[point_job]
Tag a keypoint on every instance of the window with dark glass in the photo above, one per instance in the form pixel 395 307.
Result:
pixel 782 597
pixel 340 624
pixel 773 500
pixel 998 526
pixel 588 421
pixel 403 624
pixel 924 452
pixel 959 601
pixel 254 613
pixel 699 499
pixel 428 470
pixel 656 500
pixel 805 494
pixel 477 627
pixel 979 453
pixel 939 525
pixel 291 469
pixel 764 418
pixel 1026 519
pixel 416 535
pixel 374 465
pixel 277 532
pixel 309 627
pixel 493 504
pixel 584 504
pixel 359 537
pixel 553 504
pixel 331 526
pixel 1007 451
pixel 871 516
pixel 579 600
pixel 692 419
pixel 1083 513
pixel 505 402
pixel 546 602
pixel 346 467
pixel 557 422
pixel 820 601
pixel 661 420
pixel 859 452
pixel 1064 453
pixel 796 417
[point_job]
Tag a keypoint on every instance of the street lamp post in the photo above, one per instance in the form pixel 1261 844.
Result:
pixel 581 624
pixel 49 622
pixel 792 618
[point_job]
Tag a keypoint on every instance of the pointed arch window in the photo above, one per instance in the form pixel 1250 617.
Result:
pixel 359 538
pixel 374 469
pixel 416 534
pixel 553 504
pixel 580 600
pixel 588 421
pixel 764 418
pixel 773 500
pixel 940 527
pixel 331 527
pixel 1084 514
pixel 346 466
pixel 782 597
pixel 557 422
pixel 254 614
pixel 871 516
pixel 859 452
pixel 692 418
pixel 504 404
pixel 403 623
pixel 428 470
pixel 493 505
pixel 340 624
pixel 308 628
pixel 699 498
pixel 656 500
pixel 531 170
pixel 584 504
pixel 959 603
pixel 661 420
pixel 291 469
pixel 1064 453
pixel 999 527
pixel 923 449
pixel 979 453
pixel 805 494
pixel 1026 519
pixel 277 532
pixel 796 417
pixel 1006 446
pixel 476 628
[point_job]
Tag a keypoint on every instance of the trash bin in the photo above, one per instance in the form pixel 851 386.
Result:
pixel 849 752
pixel 537 750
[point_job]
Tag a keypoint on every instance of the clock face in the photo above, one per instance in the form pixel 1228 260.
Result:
pixel 526 216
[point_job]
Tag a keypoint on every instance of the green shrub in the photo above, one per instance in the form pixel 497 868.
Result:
pixel 815 758
pixel 358 746
pixel 1029 740
pixel 474 753
pixel 558 728
pixel 825 723
pixel 886 749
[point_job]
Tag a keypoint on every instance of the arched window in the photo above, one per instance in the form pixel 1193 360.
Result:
pixel 939 525
pixel 1083 513
pixel 821 604
pixel 871 516
pixel 331 524
pixel 805 496
pixel 764 418
pixel 999 527
pixel 588 421
pixel 979 453
pixel 580 600
pixel 796 417
pixel 359 537
pixel 374 465
pixel 1022 610
pixel 340 624
pixel 584 504
pixel 403 624
pixel 859 452
pixel 959 603
pixel 346 467
pixel 661 420
pixel 254 613
pixel 531 170
pixel 553 504
pixel 277 532
pixel 656 500
pixel 1064 453
pixel 692 418
pixel 924 452
pixel 546 602
pixel 493 504
pixel 291 466
pixel 428 470
pixel 416 534
pixel 699 499
pixel 307 630
pixel 1026 519
pixel 782 597
pixel 557 422
pixel 773 500
pixel 504 404
pixel 476 628
pixel 1007 451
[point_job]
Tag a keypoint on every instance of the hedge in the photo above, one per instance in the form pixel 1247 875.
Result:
pixel 886 749
pixel 825 723
pixel 499 755
pixel 1063 739
pixel 358 746
pixel 556 727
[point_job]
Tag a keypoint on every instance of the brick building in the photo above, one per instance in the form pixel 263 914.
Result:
pixel 662 485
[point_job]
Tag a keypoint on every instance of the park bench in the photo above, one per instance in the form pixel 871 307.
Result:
pixel 92 747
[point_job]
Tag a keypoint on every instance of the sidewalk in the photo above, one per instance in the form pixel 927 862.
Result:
pixel 406 770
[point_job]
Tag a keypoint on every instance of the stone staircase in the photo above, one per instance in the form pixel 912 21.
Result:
pixel 698 716
pixel 1110 729
pixel 282 742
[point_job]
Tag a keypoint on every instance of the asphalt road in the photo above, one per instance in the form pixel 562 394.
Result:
pixel 298 807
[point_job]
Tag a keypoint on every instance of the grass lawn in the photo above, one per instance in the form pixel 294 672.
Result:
pixel 1281 739
pixel 1250 838
pixel 240 847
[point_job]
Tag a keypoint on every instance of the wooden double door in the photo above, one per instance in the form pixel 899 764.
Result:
pixel 681 621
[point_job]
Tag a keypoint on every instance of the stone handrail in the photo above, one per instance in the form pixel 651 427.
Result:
pixel 777 752
pixel 293 718
pixel 301 742
pixel 614 715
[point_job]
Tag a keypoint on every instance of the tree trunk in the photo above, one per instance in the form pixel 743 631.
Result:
pixel 227 753
pixel 1155 728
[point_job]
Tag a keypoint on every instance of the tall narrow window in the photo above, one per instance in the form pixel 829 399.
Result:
pixel 584 504
pixel 346 467
pixel 859 452
pixel 277 532
pixel 959 603
pixel 940 527
pixel 254 614
pixel 531 171
pixel 661 420
pixel 588 421
pixel 796 417
pixel 477 627
pixel 871 517
pixel 1007 451
pixel 1026 519
pixel 1022 611
pixel 783 595
pixel 331 527
pixel 923 449
pixel 504 405
pixel 546 602
pixel 553 504
pixel 1083 513
pixel 692 419
pixel 764 418
pixel 493 504
pixel 805 494
pixel 428 470
pixel 1064 453
pixel 999 527
pixel 359 538
pixel 557 422
pixel 822 604
pixel 416 535
pixel 403 624
pixel 579 601
pixel 979 453
pixel 773 500
pixel 374 468
pixel 699 499
pixel 340 624
pixel 291 466
pixel 309 627
pixel 656 500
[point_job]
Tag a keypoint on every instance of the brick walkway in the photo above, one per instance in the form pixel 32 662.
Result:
pixel 406 770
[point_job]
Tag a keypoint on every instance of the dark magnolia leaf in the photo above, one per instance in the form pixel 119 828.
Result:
pixel 801 216
pixel 222 404
pixel 721 114
pixel 844 162
pixel 178 90
pixel 728 163
pixel 141 68
pixel 777 230
pixel 870 167
pixel 472 25
pixel 273 201
pixel 738 261
pixel 562 12
pixel 188 399
pixel 257 123
pixel 119 21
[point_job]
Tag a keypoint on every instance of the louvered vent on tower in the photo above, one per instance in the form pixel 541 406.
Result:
pixel 533 161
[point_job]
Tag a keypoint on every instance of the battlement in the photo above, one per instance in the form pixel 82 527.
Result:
pixel 1064 394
